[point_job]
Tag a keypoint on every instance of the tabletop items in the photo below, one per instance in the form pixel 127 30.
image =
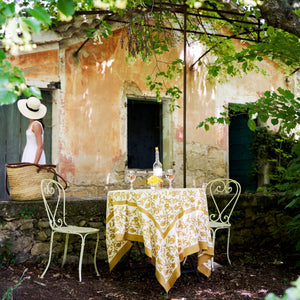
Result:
pixel 131 176
pixel 157 166
pixel 170 175
pixel 155 181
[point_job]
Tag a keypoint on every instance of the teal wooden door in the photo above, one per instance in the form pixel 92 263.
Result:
pixel 13 136
pixel 241 158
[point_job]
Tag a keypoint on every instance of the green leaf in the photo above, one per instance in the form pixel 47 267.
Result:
pixel 33 23
pixel 40 14
pixel 263 117
pixel 2 20
pixel 9 9
pixel 89 35
pixel 270 30
pixel 7 96
pixel 251 124
pixel 200 124
pixel 2 54
pixel 230 69
pixel 66 7
pixel 274 121
pixel 4 79
pixel 245 66
pixel 267 93
pixel 206 126
pixel 36 92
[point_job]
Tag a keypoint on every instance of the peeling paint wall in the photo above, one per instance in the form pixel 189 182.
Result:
pixel 40 66
pixel 90 121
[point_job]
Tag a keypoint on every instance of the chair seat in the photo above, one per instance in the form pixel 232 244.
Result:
pixel 76 230
pixel 214 224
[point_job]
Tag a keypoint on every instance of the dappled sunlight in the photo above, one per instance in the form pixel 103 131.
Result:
pixel 199 87
pixel 252 295
pixel 107 181
pixel 84 95
pixel 87 109
pixel 98 66
pixel 210 292
pixel 181 56
pixel 239 293
pixel 104 65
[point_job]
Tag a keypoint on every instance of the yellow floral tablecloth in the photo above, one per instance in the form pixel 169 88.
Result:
pixel 172 223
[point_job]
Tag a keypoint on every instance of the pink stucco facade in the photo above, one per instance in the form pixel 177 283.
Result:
pixel 89 111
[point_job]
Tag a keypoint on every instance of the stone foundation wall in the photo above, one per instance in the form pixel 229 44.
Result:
pixel 26 226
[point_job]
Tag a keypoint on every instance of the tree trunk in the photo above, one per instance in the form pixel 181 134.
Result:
pixel 279 14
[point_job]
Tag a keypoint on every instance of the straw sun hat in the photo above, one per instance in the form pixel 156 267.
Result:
pixel 32 108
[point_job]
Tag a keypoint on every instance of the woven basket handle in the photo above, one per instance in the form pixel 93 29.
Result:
pixel 52 170
pixel 49 167
pixel 6 181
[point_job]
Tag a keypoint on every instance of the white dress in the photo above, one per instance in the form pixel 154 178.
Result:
pixel 31 146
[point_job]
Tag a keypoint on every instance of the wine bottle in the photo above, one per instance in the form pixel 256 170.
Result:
pixel 157 166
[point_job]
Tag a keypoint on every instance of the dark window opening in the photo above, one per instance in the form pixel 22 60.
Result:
pixel 144 133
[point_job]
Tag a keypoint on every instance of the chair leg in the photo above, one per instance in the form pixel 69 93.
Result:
pixel 66 250
pixel 213 242
pixel 95 255
pixel 81 255
pixel 228 239
pixel 50 254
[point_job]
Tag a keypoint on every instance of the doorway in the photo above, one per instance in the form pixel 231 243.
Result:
pixel 241 158
pixel 13 136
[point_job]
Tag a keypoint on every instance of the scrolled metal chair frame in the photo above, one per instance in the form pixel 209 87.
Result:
pixel 221 218
pixel 57 222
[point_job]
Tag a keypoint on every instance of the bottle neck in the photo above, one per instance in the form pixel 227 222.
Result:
pixel 157 156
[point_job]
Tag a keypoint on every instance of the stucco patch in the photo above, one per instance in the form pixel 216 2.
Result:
pixel 179 134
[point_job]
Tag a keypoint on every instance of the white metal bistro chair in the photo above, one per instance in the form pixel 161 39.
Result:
pixel 56 215
pixel 220 213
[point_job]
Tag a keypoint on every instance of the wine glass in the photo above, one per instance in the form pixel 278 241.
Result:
pixel 131 177
pixel 170 175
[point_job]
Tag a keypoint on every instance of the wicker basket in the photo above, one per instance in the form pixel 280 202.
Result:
pixel 25 180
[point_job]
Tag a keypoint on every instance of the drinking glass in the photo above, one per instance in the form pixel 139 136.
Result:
pixel 170 175
pixel 131 177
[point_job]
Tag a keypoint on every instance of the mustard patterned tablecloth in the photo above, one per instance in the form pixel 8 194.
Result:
pixel 172 223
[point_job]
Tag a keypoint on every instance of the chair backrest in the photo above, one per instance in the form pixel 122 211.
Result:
pixel 56 210
pixel 223 206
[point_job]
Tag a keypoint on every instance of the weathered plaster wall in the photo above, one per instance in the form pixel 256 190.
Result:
pixel 89 112
pixel 95 89
pixel 40 66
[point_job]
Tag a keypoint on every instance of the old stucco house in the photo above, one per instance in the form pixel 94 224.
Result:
pixel 102 118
